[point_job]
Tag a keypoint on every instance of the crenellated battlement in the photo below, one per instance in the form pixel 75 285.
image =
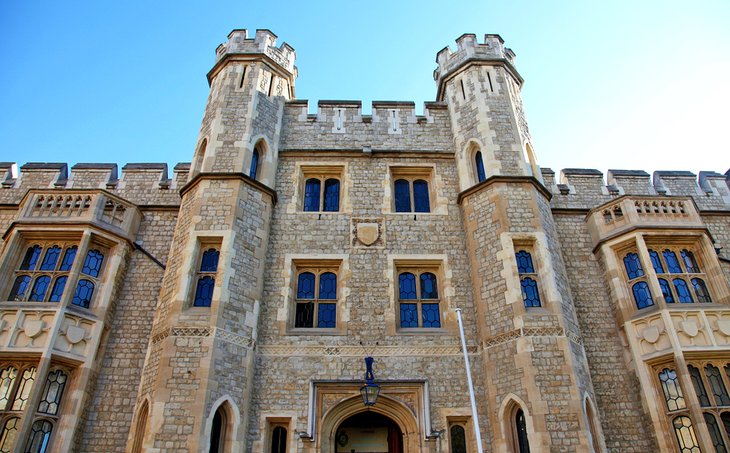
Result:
pixel 263 42
pixel 351 111
pixel 469 49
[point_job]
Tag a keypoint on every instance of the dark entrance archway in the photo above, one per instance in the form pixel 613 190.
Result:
pixel 369 432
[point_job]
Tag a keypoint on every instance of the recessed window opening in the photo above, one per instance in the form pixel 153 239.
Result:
pixel 463 92
pixel 489 78
pixel 206 278
pixel 243 78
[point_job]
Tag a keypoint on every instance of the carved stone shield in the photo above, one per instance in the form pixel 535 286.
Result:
pixel 367 233
pixel 75 334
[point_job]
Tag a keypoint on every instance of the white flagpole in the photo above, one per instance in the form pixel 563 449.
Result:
pixel 471 386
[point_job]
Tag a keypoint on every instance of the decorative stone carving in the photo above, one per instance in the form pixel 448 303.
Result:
pixel 368 233
pixel 689 327
pixel 650 334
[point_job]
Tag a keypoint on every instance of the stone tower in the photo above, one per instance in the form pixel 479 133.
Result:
pixel 198 370
pixel 534 363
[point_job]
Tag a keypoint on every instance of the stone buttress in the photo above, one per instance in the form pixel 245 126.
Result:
pixel 200 358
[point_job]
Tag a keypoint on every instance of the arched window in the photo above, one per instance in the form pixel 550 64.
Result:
pixel 533 169
pixel 418 299
pixel 520 427
pixel 89 277
pixel 199 157
pixel 141 427
pixel 403 188
pixel 457 436
pixel 592 426
pixel 637 280
pixel 218 431
pixel 402 196
pixel 528 279
pixel 479 166
pixel 278 440
pixel 331 195
pixel 206 278
pixel 322 194
pixel 312 190
pixel 316 299
pixel 254 168
pixel 43 272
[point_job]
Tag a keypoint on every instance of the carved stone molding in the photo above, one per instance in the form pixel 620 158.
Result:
pixel 531 332
pixel 357 351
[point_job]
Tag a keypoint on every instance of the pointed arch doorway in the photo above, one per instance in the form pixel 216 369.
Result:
pixel 368 432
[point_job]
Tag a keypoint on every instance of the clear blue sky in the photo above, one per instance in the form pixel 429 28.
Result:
pixel 620 84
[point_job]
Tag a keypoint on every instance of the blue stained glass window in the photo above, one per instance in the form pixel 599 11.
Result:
pixel 84 291
pixel 58 287
pixel 530 295
pixel 408 315
pixel 68 258
pixel 701 290
pixel 50 258
pixel 429 286
pixel 633 266
pixel 402 196
pixel 31 258
pixel 204 291
pixel 92 264
pixel 39 288
pixel 326 316
pixel 327 286
pixel 656 262
pixel 666 291
pixel 524 262
pixel 311 195
pixel 690 263
pixel 420 196
pixel 431 317
pixel 254 168
pixel 305 315
pixel 20 286
pixel 332 195
pixel 642 296
pixel 683 293
pixel 407 285
pixel 481 176
pixel 672 263
pixel 305 286
pixel 39 437
pixel 209 261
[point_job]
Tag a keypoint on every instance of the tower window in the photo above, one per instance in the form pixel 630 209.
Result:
pixel 254 168
pixel 206 278
pixel 479 166
pixel 528 279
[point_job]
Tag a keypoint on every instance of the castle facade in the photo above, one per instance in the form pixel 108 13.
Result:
pixel 230 307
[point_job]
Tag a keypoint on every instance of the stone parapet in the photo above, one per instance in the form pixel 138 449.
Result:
pixel 468 48
pixel 263 42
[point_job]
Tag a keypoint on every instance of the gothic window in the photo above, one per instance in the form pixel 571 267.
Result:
pixel 479 166
pixel 42 274
pixel 88 279
pixel 457 436
pixel 686 285
pixel 685 433
pixel 254 168
pixel 522 444
pixel 206 278
pixel 16 384
pixel 316 298
pixel 218 431
pixel 672 391
pixel 39 437
pixel 322 197
pixel 715 434
pixel 528 279
pixel 418 299
pixel 278 439
pixel 141 427
pixel 637 281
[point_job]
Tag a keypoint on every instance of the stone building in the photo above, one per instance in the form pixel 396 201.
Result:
pixel 229 307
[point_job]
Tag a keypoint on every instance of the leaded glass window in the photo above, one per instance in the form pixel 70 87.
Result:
pixel 89 275
pixel 411 194
pixel 687 284
pixel 457 436
pixel 479 165
pixel 683 294
pixel 672 391
pixel 402 196
pixel 9 435
pixel 716 385
pixel 690 263
pixel 685 434
pixel 699 386
pixel 656 262
pixel 7 382
pixel 670 257
pixel 633 266
pixel 701 290
pixel 331 195
pixel 42 274
pixel 311 194
pixel 206 278
pixel 321 194
pixel 642 295
pixel 717 442
pixel 53 392
pixel 420 196
pixel 39 437
pixel 316 299
pixel 418 299
pixel 528 279
pixel 253 170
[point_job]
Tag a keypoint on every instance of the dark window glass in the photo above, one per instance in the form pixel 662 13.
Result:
pixel 304 316
pixel 68 258
pixel 39 288
pixel 39 437
pixel 328 286
pixel 420 196
pixel 31 258
pixel 326 315
pixel 725 417
pixel 524 262
pixel 672 263
pixel 20 286
pixel 689 262
pixel 209 261
pixel 402 196
pixel 685 435
pixel 530 295
pixel 407 285
pixel 633 266
pixel 254 168
pixel 408 315
pixel 431 317
pixel 701 290
pixel 642 296
pixel 278 440
pixel 204 291
pixel 672 391
pixel 53 392
pixel 715 435
pixel 521 427
pixel 217 432
pixel 683 293
pixel 699 386
pixel 84 291
pixel 50 258
pixel 92 264
pixel 331 195
pixel 311 195
pixel 716 385
pixel 458 439
pixel 9 434
pixel 656 262
pixel 479 163
pixel 666 291
pixel 58 287
pixel 429 286
pixel 305 286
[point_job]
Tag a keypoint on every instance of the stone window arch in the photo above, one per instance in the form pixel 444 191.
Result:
pixel 256 163
pixel 516 425
pixel 222 425
pixel 199 157
pixel 140 427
